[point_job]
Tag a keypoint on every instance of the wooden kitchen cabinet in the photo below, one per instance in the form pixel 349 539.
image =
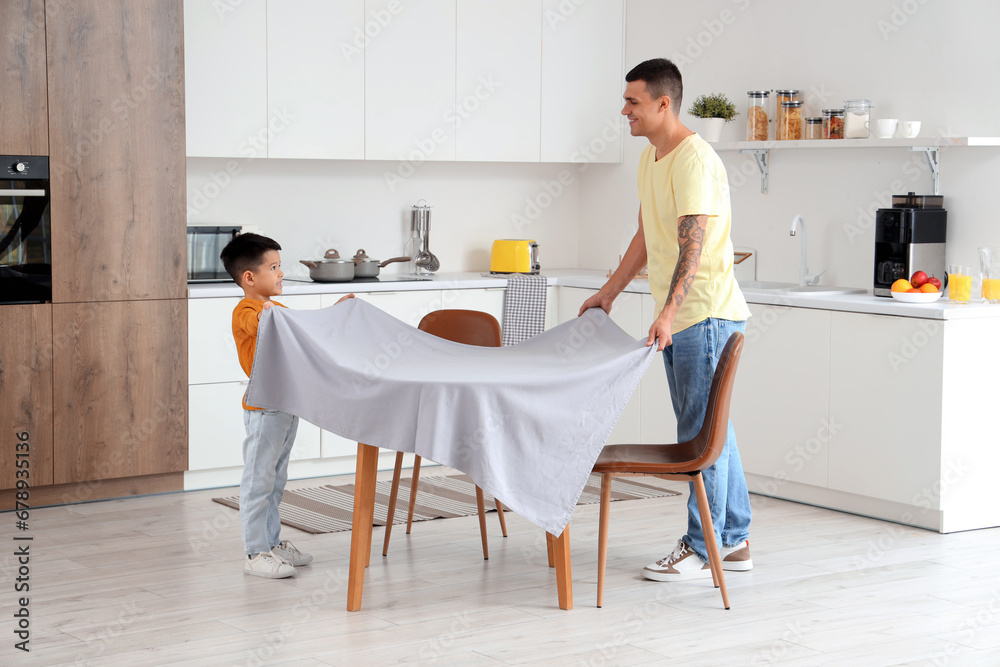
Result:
pixel 116 142
pixel 499 80
pixel 226 85
pixel 780 406
pixel 26 393
pixel 889 430
pixel 24 116
pixel 583 79
pixel 410 83
pixel 119 389
pixel 316 78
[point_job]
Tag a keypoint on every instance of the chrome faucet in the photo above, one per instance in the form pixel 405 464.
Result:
pixel 798 222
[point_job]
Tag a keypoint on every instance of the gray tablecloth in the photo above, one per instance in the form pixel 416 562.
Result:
pixel 526 422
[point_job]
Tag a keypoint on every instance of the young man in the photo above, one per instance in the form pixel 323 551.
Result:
pixel 683 237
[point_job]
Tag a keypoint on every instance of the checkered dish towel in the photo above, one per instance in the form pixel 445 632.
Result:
pixel 523 307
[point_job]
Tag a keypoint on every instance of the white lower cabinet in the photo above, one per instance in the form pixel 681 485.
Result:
pixel 885 403
pixel 657 423
pixel 780 404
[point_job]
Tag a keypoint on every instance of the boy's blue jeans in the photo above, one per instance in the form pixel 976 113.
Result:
pixel 690 362
pixel 270 436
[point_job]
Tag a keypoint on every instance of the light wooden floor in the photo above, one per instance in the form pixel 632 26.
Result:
pixel 158 581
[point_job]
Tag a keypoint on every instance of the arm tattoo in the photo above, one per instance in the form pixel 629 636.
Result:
pixel 691 237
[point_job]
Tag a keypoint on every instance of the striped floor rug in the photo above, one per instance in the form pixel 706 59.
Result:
pixel 327 509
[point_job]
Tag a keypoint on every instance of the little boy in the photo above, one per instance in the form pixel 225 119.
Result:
pixel 254 263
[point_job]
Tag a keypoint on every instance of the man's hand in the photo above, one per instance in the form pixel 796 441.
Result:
pixel 600 300
pixel 345 298
pixel 659 333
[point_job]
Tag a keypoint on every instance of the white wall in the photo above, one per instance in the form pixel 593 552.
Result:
pixel 937 64
pixel 311 205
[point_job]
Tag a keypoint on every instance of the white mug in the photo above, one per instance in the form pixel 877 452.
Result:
pixel 884 128
pixel 909 128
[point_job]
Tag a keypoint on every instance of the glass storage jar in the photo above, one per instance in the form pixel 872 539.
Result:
pixel 814 128
pixel 833 123
pixel 790 126
pixel 757 129
pixel 779 97
pixel 857 117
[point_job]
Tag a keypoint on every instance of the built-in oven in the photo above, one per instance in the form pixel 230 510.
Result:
pixel 25 230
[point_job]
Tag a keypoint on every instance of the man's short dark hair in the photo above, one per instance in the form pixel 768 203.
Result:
pixel 246 253
pixel 662 78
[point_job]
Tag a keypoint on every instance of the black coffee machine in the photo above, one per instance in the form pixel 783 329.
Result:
pixel 909 237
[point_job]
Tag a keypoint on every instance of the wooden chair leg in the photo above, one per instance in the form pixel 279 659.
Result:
pixel 391 512
pixel 413 493
pixel 481 504
pixel 548 548
pixel 711 545
pixel 602 539
pixel 503 521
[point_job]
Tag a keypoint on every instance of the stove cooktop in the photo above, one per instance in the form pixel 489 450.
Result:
pixel 379 279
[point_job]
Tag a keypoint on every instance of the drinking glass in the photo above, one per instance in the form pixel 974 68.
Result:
pixel 989 264
pixel 959 283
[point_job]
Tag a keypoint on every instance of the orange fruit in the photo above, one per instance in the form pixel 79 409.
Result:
pixel 927 287
pixel 901 285
pixel 913 289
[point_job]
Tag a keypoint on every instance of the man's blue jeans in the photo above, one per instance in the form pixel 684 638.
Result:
pixel 690 362
pixel 268 445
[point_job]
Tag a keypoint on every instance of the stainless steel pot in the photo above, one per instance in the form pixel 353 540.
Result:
pixel 330 269
pixel 366 267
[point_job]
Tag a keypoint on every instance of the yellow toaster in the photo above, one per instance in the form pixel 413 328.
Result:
pixel 514 256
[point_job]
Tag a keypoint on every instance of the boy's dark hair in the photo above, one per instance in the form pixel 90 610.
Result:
pixel 662 78
pixel 245 253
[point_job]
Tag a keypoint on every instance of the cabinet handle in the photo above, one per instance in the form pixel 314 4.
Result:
pixel 22 193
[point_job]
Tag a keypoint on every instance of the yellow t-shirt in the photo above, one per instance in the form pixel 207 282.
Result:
pixel 689 180
pixel 245 321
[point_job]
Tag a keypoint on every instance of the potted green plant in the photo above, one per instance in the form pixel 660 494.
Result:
pixel 715 110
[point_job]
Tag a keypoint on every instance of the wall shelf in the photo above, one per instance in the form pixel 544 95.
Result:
pixel 930 146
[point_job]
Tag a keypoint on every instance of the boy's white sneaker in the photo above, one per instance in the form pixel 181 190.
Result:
pixel 287 552
pixel 267 565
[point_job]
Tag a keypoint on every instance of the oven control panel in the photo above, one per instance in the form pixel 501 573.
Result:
pixel 24 167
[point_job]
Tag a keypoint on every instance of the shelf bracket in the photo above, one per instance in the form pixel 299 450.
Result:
pixel 760 155
pixel 933 155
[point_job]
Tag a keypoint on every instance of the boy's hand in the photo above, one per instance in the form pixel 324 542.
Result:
pixel 267 304
pixel 345 298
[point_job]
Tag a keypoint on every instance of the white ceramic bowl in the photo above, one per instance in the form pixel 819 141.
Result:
pixel 917 297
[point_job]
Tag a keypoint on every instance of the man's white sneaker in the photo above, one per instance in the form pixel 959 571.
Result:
pixel 680 564
pixel 267 565
pixel 287 552
pixel 737 559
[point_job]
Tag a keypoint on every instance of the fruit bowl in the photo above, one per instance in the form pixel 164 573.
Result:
pixel 917 297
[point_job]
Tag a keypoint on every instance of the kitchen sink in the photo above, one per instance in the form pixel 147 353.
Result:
pixel 792 288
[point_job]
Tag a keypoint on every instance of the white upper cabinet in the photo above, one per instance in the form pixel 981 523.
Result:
pixel 582 80
pixel 316 78
pixel 225 74
pixel 499 80
pixel 410 80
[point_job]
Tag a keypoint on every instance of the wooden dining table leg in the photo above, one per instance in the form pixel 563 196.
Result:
pixel 361 527
pixel 564 569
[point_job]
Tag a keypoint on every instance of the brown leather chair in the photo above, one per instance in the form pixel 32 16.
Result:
pixel 682 461
pixel 470 327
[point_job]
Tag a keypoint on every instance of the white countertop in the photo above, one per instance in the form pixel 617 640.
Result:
pixel 592 279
